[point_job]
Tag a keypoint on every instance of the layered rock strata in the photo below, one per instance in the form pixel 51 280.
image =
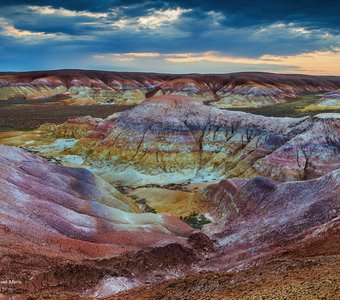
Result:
pixel 273 240
pixel 330 100
pixel 67 232
pixel 220 90
pixel 66 229
pixel 259 218
pixel 175 138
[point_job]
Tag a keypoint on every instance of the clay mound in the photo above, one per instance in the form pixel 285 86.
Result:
pixel 174 138
pixel 270 235
pixel 75 213
pixel 260 218
pixel 79 87
pixel 333 94
pixel 68 75
pixel 178 135
pixel 221 90
pixel 330 99
pixel 185 87
pixel 57 221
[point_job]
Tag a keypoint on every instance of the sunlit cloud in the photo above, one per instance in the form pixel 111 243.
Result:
pixel 7 29
pixel 115 57
pixel 143 54
pixel 155 19
pixel 290 29
pixel 216 17
pixel 12 31
pixel 126 56
pixel 49 10
pixel 174 36
pixel 211 56
pixel 317 62
pixel 159 18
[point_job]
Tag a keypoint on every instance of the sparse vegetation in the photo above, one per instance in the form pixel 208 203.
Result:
pixel 150 209
pixel 54 160
pixel 143 205
pixel 195 220
pixel 31 116
pixel 122 189
pixel 291 108
pixel 141 201
pixel 169 186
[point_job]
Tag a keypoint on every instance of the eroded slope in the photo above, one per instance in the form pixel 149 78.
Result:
pixel 175 138
pixel 55 221
pixel 220 90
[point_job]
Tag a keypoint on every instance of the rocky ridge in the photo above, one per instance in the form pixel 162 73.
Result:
pixel 273 239
pixel 220 90
pixel 176 138
pixel 281 217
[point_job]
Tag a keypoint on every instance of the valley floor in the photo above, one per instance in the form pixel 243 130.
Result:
pixel 297 107
pixel 31 116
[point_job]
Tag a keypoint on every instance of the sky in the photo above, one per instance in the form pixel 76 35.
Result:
pixel 180 36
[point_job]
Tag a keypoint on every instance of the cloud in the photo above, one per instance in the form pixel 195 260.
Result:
pixel 236 14
pixel 176 36
pixel 49 10
pixel 153 20
pixel 291 29
pixel 216 17
pixel 126 56
pixel 317 62
pixel 312 14
pixel 210 56
pixel 9 30
pixel 12 31
pixel 159 18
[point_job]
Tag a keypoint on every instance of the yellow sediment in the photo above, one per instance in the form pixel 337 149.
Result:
pixel 319 108
pixel 176 202
pixel 20 138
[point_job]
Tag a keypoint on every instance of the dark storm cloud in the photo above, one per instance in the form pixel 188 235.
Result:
pixel 312 13
pixel 316 14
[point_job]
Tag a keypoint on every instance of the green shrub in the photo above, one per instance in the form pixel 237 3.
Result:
pixel 150 209
pixel 195 220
